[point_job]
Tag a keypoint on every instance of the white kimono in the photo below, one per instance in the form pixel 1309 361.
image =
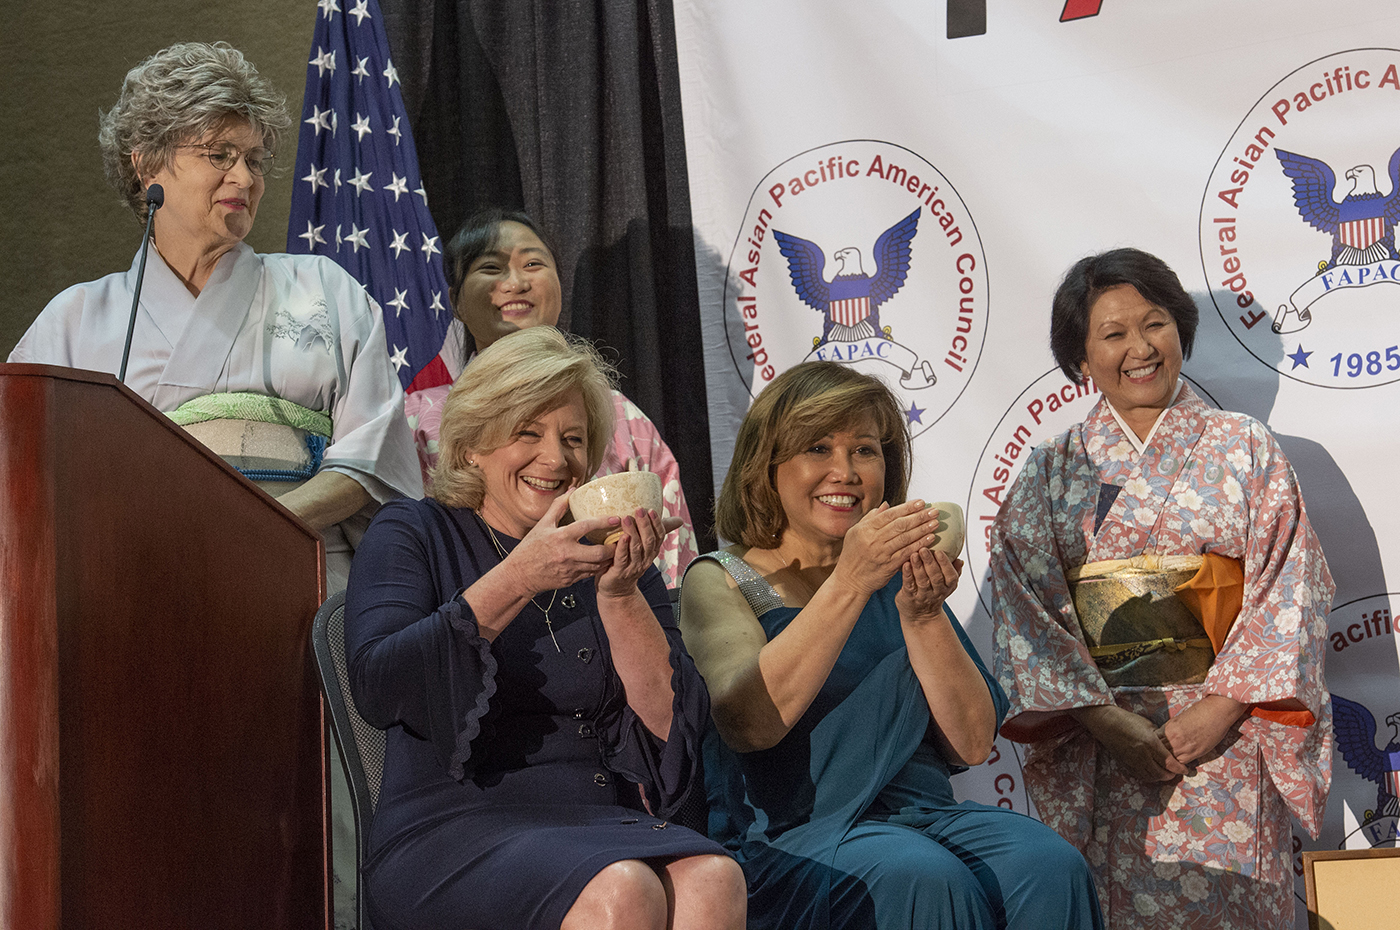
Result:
pixel 298 327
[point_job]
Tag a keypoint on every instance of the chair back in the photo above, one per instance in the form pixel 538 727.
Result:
pixel 361 745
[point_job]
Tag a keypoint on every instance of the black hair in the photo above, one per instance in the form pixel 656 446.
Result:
pixel 1086 281
pixel 479 235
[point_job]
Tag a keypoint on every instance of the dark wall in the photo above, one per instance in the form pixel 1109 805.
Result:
pixel 59 221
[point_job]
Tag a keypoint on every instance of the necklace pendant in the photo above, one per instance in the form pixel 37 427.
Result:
pixel 568 598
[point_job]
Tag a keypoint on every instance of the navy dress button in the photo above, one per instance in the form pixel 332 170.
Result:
pixel 585 730
pixel 585 655
pixel 600 780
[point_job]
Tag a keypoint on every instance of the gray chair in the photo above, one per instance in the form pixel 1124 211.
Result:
pixel 361 745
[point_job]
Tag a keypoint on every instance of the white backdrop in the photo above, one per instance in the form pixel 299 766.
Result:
pixel 1150 124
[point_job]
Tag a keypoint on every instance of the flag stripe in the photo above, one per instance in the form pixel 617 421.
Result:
pixel 851 311
pixel 1362 234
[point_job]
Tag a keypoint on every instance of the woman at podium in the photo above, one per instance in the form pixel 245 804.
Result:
pixel 276 362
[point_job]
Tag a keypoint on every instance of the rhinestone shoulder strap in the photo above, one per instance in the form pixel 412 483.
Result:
pixel 760 594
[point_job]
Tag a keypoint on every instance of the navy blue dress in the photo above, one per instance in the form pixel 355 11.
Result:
pixel 512 769
pixel 850 820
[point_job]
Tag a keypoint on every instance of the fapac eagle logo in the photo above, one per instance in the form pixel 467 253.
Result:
pixel 1355 730
pixel 861 253
pixel 851 302
pixel 1361 224
pixel 1363 808
pixel 1298 258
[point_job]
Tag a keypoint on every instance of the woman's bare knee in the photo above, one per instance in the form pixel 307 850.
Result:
pixel 627 895
pixel 705 892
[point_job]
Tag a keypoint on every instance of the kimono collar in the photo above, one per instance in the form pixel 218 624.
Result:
pixel 201 329
pixel 1141 444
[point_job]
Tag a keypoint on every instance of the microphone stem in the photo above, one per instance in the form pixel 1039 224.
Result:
pixel 136 297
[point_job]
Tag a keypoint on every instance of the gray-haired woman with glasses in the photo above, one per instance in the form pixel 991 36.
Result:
pixel 276 362
pixel 281 352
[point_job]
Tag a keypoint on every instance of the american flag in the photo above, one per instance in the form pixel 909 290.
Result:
pixel 358 198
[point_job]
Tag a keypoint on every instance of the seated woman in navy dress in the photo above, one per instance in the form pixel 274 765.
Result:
pixel 844 693
pixel 543 717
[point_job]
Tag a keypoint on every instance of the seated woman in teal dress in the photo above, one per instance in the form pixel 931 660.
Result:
pixel 844 694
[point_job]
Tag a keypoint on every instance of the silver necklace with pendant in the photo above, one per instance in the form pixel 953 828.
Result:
pixel 568 598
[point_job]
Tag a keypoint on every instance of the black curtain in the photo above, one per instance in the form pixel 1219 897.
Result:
pixel 571 110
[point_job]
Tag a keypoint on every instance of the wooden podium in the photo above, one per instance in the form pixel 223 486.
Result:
pixel 161 742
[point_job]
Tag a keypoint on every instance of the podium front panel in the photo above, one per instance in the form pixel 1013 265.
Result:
pixel 189 769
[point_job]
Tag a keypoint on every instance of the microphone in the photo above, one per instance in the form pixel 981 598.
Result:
pixel 155 197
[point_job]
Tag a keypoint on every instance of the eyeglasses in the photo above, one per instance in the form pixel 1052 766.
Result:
pixel 224 155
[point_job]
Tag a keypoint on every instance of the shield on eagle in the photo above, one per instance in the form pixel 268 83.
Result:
pixel 850 312
pixel 1362 234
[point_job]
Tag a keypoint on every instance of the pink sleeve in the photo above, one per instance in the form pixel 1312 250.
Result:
pixel 424 411
pixel 1275 651
pixel 636 437
pixel 1040 656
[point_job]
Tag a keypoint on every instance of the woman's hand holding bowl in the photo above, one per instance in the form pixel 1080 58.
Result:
pixel 632 553
pixel 551 556
pixel 929 577
pixel 883 541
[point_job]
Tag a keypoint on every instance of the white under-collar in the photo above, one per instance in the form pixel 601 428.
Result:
pixel 1141 444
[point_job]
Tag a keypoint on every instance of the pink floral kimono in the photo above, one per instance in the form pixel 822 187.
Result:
pixel 1211 849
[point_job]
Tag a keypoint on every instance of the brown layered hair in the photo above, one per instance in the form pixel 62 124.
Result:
pixel 797 409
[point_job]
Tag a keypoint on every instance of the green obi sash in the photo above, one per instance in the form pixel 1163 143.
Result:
pixel 265 438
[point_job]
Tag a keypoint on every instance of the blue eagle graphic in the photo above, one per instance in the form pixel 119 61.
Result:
pixel 1361 224
pixel 851 301
pixel 1355 731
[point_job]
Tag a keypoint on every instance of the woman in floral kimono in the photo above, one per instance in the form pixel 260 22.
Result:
pixel 1171 755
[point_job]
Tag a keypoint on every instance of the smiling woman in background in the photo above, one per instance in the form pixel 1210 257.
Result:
pixel 285 352
pixel 504 278
pixel 1161 603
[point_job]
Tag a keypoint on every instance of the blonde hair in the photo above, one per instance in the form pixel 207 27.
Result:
pixel 520 377
pixel 800 406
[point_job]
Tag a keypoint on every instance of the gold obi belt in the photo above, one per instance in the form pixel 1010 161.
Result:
pixel 1157 620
